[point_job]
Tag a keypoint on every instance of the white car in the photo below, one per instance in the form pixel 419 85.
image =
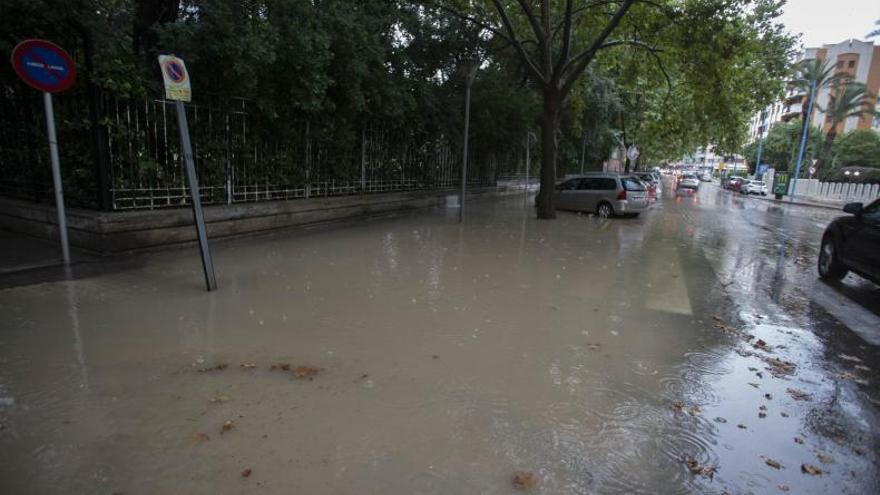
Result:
pixel 754 187
pixel 689 181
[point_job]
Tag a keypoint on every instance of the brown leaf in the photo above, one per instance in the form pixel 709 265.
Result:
pixel 694 466
pixel 824 458
pixel 677 406
pixel 219 367
pixel 798 394
pixel 524 480
pixel 780 367
pixel 694 410
pixel 306 372
pixel 201 437
pixel 859 450
pixel 245 472
pixel 772 463
pixel 228 425
pixel 247 366
pixel 760 344
pixel 280 367
pixel 810 469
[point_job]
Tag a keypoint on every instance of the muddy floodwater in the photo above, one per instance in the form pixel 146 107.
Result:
pixel 685 351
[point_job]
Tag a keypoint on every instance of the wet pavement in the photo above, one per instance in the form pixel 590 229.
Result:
pixel 690 350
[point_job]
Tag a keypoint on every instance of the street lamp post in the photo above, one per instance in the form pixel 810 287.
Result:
pixel 470 68
pixel 804 133
pixel 529 135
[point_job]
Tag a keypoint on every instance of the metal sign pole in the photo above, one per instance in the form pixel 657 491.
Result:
pixel 207 263
pixel 56 176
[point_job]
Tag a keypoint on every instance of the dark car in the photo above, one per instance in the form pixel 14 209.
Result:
pixel 852 243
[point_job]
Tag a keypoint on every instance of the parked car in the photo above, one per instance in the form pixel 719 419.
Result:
pixel 754 187
pixel 653 183
pixel 706 177
pixel 604 193
pixel 689 181
pixel 852 243
pixel 734 183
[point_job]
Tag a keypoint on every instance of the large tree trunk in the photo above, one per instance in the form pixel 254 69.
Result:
pixel 826 150
pixel 549 120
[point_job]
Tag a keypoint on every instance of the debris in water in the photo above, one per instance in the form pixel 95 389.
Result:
pixel 201 437
pixel 784 488
pixel 719 419
pixel 741 426
pixel 779 367
pixel 760 344
pixel 365 375
pixel 762 414
pixel 219 367
pixel 245 472
pixel 810 469
pixel 849 358
pixel 798 394
pixel 799 440
pixel 435 356
pixel 524 480
pixel 763 407
pixel 306 372
pixel 783 414
pixel 694 410
pixel 280 366
pixel 824 458
pixel 678 406
pixel 594 346
pixel 772 462
pixel 228 425
pixel 219 398
pixel 859 450
pixel 768 396
pixel 752 369
pixel 247 366
pixel 694 466
pixel 846 375
pixel 754 385
pixel 862 367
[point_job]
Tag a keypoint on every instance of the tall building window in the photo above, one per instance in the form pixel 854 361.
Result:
pixel 852 63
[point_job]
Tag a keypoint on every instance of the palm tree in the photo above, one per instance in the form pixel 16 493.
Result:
pixel 844 101
pixel 875 32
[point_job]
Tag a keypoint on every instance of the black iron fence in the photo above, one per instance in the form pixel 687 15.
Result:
pixel 126 155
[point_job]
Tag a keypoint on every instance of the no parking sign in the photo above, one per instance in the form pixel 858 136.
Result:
pixel 175 77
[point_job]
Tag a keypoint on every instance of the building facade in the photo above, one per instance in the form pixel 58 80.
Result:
pixel 859 59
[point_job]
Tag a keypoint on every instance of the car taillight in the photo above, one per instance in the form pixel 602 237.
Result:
pixel 621 194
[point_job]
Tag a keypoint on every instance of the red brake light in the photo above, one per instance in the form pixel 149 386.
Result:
pixel 621 194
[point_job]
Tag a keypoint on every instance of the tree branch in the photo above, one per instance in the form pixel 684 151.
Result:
pixel 533 21
pixel 576 66
pixel 566 41
pixel 536 72
pixel 477 22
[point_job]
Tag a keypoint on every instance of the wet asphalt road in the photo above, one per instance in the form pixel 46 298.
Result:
pixel 599 355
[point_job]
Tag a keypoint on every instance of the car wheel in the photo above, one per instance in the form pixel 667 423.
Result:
pixel 830 267
pixel 604 210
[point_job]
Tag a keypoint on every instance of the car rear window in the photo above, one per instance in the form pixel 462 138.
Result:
pixel 632 184
pixel 604 184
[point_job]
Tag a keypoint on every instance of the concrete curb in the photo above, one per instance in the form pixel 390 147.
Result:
pixel 786 202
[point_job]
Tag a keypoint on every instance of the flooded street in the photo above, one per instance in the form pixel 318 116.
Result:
pixel 601 356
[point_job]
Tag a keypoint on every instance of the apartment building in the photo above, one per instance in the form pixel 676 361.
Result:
pixel 859 59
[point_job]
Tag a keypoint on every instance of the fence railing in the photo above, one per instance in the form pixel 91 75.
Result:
pixel 835 192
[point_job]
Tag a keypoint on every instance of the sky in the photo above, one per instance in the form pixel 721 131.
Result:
pixel 831 21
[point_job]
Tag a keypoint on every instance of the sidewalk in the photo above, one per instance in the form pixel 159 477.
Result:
pixel 787 201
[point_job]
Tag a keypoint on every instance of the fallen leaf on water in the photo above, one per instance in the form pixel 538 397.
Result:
pixel 859 450
pixel 783 414
pixel 228 425
pixel 784 488
pixel 754 385
pixel 763 407
pixel 719 419
pixel 824 458
pixel 524 480
pixel 694 410
pixel 593 346
pixel 435 356
pixel 780 367
pixel 847 357
pixel 306 372
pixel 245 472
pixel 752 369
pixel 220 398
pixel 810 469
pixel 741 426
pixel 798 394
pixel 772 462
pixel 694 466
pixel 677 406
pixel 768 396
pixel 862 367
pixel 280 366
pixel 201 437
pixel 846 375
pixel 762 414
pixel 247 366
pixel 799 440
pixel 760 344
pixel 219 367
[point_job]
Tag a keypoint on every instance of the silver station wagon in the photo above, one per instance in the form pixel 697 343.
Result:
pixel 603 193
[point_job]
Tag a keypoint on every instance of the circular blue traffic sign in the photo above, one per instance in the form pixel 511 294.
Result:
pixel 43 65
pixel 175 71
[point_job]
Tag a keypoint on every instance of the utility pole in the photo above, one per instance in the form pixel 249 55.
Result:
pixel 470 66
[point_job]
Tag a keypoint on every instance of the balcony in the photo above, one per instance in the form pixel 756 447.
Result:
pixel 790 112
pixel 794 96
